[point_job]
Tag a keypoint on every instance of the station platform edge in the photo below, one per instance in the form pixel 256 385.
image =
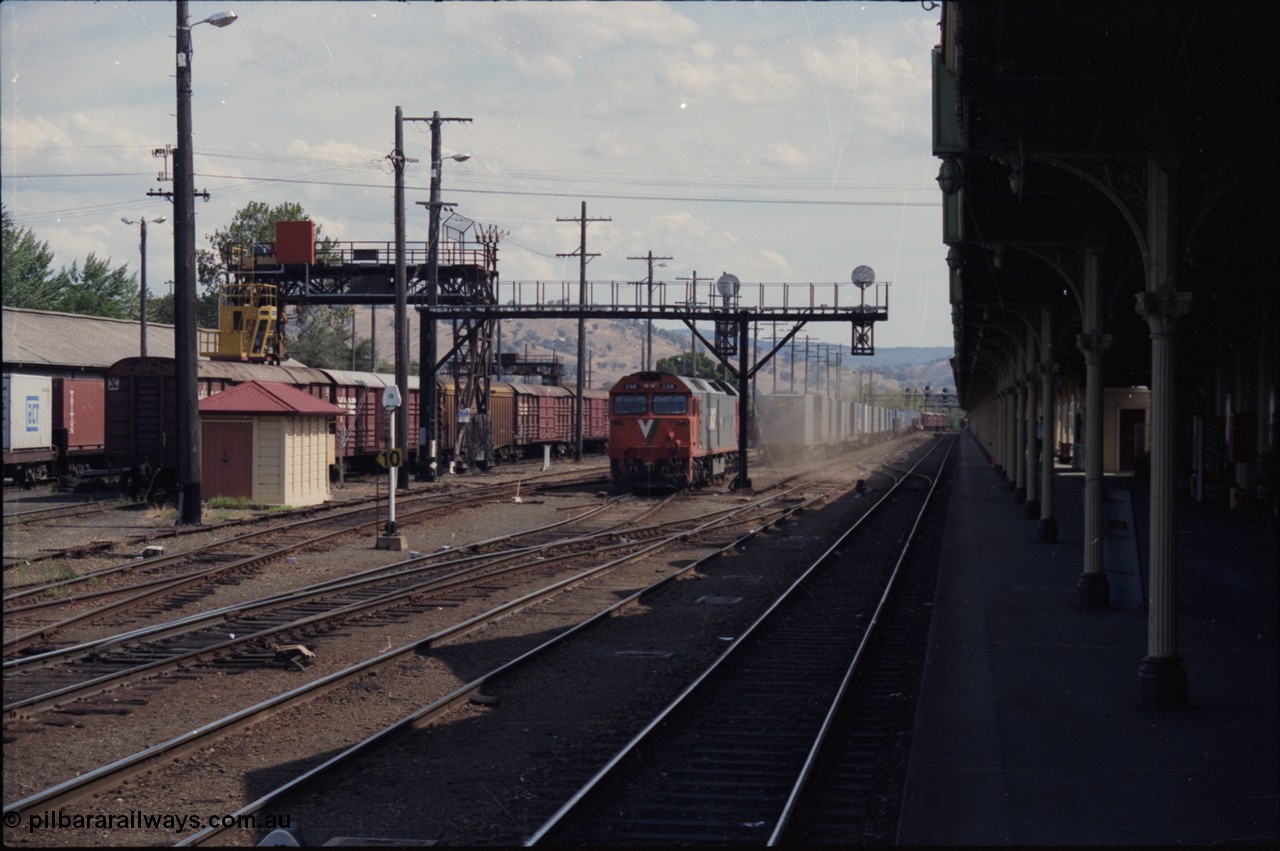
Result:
pixel 1028 729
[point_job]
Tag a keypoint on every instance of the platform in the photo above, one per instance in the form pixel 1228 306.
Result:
pixel 1028 730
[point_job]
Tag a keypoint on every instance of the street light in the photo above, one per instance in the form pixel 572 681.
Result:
pixel 142 246
pixel 185 333
pixel 428 425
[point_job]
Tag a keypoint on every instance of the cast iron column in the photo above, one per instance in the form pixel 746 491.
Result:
pixel 1047 530
pixel 1031 495
pixel 1162 679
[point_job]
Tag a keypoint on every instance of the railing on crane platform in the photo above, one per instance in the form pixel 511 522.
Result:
pixel 678 298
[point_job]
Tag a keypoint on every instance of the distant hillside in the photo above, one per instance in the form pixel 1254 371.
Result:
pixel 907 356
pixel 615 348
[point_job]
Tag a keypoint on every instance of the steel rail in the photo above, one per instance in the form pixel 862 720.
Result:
pixel 15 519
pixel 595 783
pixel 148 591
pixel 119 769
pixel 310 516
pixel 819 741
pixel 482 571
pixel 431 586
pixel 438 708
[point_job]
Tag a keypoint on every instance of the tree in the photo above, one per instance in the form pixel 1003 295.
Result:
pixel 679 364
pixel 92 290
pixel 160 309
pixel 97 290
pixel 388 367
pixel 27 267
pixel 318 336
pixel 322 338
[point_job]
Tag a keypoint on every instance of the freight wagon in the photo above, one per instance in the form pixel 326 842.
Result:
pixel 790 426
pixel 930 421
pixel 29 453
pixel 140 406
pixel 53 425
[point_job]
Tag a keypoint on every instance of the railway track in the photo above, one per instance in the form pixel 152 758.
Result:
pixel 21 517
pixel 18 520
pixel 159 758
pixel 717 523
pixel 240 635
pixel 732 757
pixel 187 575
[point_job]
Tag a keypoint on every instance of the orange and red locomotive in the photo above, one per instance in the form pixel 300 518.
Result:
pixel 671 431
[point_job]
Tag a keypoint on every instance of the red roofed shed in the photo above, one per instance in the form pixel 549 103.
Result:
pixel 268 442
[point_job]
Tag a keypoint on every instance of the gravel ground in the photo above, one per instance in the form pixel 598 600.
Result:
pixel 486 774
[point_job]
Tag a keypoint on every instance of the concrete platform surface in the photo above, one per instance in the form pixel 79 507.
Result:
pixel 1028 730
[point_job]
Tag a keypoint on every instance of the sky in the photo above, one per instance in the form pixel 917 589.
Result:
pixel 780 141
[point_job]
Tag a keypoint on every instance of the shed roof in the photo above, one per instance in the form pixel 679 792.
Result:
pixel 263 397
pixel 47 338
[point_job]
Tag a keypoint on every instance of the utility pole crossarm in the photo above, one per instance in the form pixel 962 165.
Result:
pixel 582 220
pixel 647 354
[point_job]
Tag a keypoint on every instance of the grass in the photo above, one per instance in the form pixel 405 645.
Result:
pixel 220 508
pixel 234 507
pixel 160 512
pixel 45 572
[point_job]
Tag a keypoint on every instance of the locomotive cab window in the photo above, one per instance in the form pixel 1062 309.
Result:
pixel 670 403
pixel 631 403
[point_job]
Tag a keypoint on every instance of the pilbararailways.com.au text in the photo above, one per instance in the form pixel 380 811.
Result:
pixel 138 820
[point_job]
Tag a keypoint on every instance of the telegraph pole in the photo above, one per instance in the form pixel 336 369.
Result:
pixel 693 328
pixel 142 272
pixel 185 323
pixel 427 397
pixel 648 335
pixel 428 347
pixel 582 321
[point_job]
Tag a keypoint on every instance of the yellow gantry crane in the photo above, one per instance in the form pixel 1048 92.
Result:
pixel 248 312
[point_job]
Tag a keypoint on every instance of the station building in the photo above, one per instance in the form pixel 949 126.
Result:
pixel 1108 175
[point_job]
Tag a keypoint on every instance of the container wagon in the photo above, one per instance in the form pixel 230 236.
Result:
pixel 29 453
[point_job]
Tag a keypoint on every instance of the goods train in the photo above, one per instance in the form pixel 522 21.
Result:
pixel 932 421
pixel 671 431
pixel 522 418
pixel 52 424
pixel 790 426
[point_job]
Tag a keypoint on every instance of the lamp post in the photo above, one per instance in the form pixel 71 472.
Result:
pixel 428 427
pixel 142 275
pixel 186 343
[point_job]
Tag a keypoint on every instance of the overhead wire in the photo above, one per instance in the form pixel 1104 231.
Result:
pixel 518 187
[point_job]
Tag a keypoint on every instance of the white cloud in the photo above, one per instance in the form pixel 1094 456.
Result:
pixel 744 120
pixel 784 155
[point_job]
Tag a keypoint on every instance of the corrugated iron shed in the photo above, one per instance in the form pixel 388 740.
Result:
pixel 38 340
pixel 43 338
pixel 259 397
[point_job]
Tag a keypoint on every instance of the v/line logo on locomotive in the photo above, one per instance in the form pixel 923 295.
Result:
pixel 646 429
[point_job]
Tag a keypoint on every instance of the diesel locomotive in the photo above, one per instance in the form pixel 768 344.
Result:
pixel 671 431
